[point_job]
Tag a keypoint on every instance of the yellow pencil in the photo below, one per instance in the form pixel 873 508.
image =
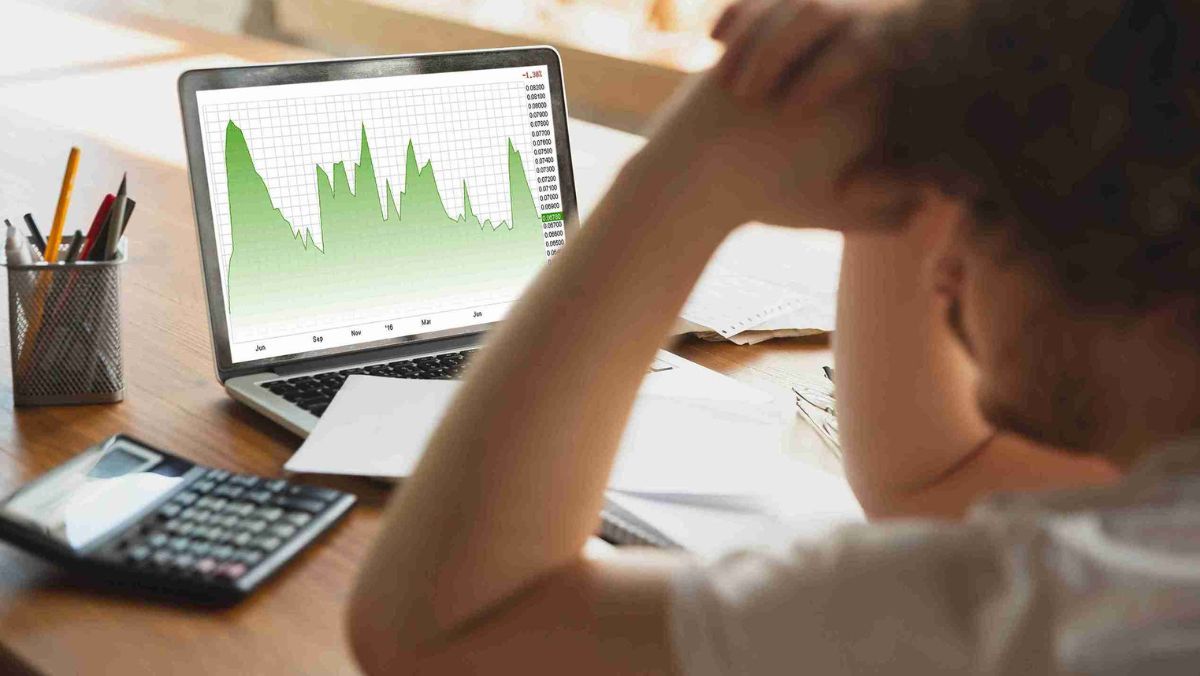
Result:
pixel 54 241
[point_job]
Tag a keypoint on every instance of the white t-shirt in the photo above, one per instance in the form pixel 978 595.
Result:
pixel 1099 581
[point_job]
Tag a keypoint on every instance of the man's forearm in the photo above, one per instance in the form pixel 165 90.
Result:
pixel 510 486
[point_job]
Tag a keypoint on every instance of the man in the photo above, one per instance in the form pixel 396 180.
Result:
pixel 1017 181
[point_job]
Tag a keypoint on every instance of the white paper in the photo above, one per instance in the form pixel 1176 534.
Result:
pixel 769 278
pixel 597 155
pixel 811 504
pixel 683 437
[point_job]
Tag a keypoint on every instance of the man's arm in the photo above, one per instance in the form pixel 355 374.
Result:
pixel 485 536
pixel 480 550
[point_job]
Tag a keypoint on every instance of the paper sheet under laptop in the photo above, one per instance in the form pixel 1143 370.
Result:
pixel 768 279
pixel 677 442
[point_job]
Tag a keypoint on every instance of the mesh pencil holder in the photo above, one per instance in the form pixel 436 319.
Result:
pixel 64 323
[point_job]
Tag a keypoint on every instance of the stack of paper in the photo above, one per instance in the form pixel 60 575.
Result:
pixel 766 282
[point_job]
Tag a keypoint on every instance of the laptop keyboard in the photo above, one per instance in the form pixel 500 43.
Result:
pixel 314 392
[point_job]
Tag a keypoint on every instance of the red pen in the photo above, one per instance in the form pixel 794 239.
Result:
pixel 94 231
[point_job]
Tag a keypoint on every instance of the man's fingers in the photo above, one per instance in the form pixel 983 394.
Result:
pixel 789 50
pixel 842 66
pixel 721 27
pixel 747 20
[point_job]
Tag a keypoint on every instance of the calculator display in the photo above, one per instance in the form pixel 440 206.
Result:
pixel 88 497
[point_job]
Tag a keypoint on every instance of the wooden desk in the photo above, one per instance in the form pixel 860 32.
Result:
pixel 53 623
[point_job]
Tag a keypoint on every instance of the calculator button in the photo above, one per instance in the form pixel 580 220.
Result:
pixel 138 554
pixel 200 548
pixel 206 566
pixel 185 498
pixel 222 552
pixel 157 539
pixel 217 534
pixel 300 504
pixel 269 543
pixel 202 516
pixel 283 530
pixel 202 532
pixel 227 491
pixel 269 513
pixel 242 539
pixel 217 474
pixel 173 525
pixel 218 504
pixel 188 514
pixel 161 558
pixel 298 518
pixel 203 486
pixel 231 570
pixel 252 525
pixel 169 511
pixel 250 557
pixel 314 493
pixel 184 561
pixel 242 509
pixel 244 480
pixel 275 485
pixel 179 544
pixel 185 528
pixel 227 521
pixel 258 497
pixel 205 502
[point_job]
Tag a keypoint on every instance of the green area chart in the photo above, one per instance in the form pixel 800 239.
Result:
pixel 374 254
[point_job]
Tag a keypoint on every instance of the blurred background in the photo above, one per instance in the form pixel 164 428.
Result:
pixel 622 57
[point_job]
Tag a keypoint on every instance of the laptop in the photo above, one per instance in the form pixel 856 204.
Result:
pixel 375 216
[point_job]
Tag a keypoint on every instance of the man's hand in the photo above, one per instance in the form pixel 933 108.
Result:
pixel 769 134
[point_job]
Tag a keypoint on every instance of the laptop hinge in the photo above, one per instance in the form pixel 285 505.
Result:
pixel 368 356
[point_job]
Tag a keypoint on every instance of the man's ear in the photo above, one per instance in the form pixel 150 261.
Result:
pixel 938 229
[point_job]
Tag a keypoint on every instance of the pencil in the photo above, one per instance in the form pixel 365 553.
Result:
pixel 60 212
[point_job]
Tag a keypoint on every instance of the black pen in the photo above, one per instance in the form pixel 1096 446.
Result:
pixel 828 372
pixel 76 243
pixel 38 240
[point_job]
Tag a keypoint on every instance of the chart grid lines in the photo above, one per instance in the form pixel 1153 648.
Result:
pixel 463 140
pixel 463 130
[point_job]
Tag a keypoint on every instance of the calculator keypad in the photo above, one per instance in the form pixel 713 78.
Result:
pixel 223 525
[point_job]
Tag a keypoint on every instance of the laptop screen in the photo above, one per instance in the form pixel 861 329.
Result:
pixel 361 210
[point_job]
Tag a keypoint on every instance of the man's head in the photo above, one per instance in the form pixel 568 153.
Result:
pixel 1069 130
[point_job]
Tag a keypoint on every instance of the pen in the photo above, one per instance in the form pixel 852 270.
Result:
pixel 97 228
pixel 54 240
pixel 115 223
pixel 16 250
pixel 38 240
pixel 828 372
pixel 76 245
pixel 130 203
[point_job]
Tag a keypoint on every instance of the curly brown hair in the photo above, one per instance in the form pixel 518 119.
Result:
pixel 1073 125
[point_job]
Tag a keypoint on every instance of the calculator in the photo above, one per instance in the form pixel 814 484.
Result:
pixel 142 519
